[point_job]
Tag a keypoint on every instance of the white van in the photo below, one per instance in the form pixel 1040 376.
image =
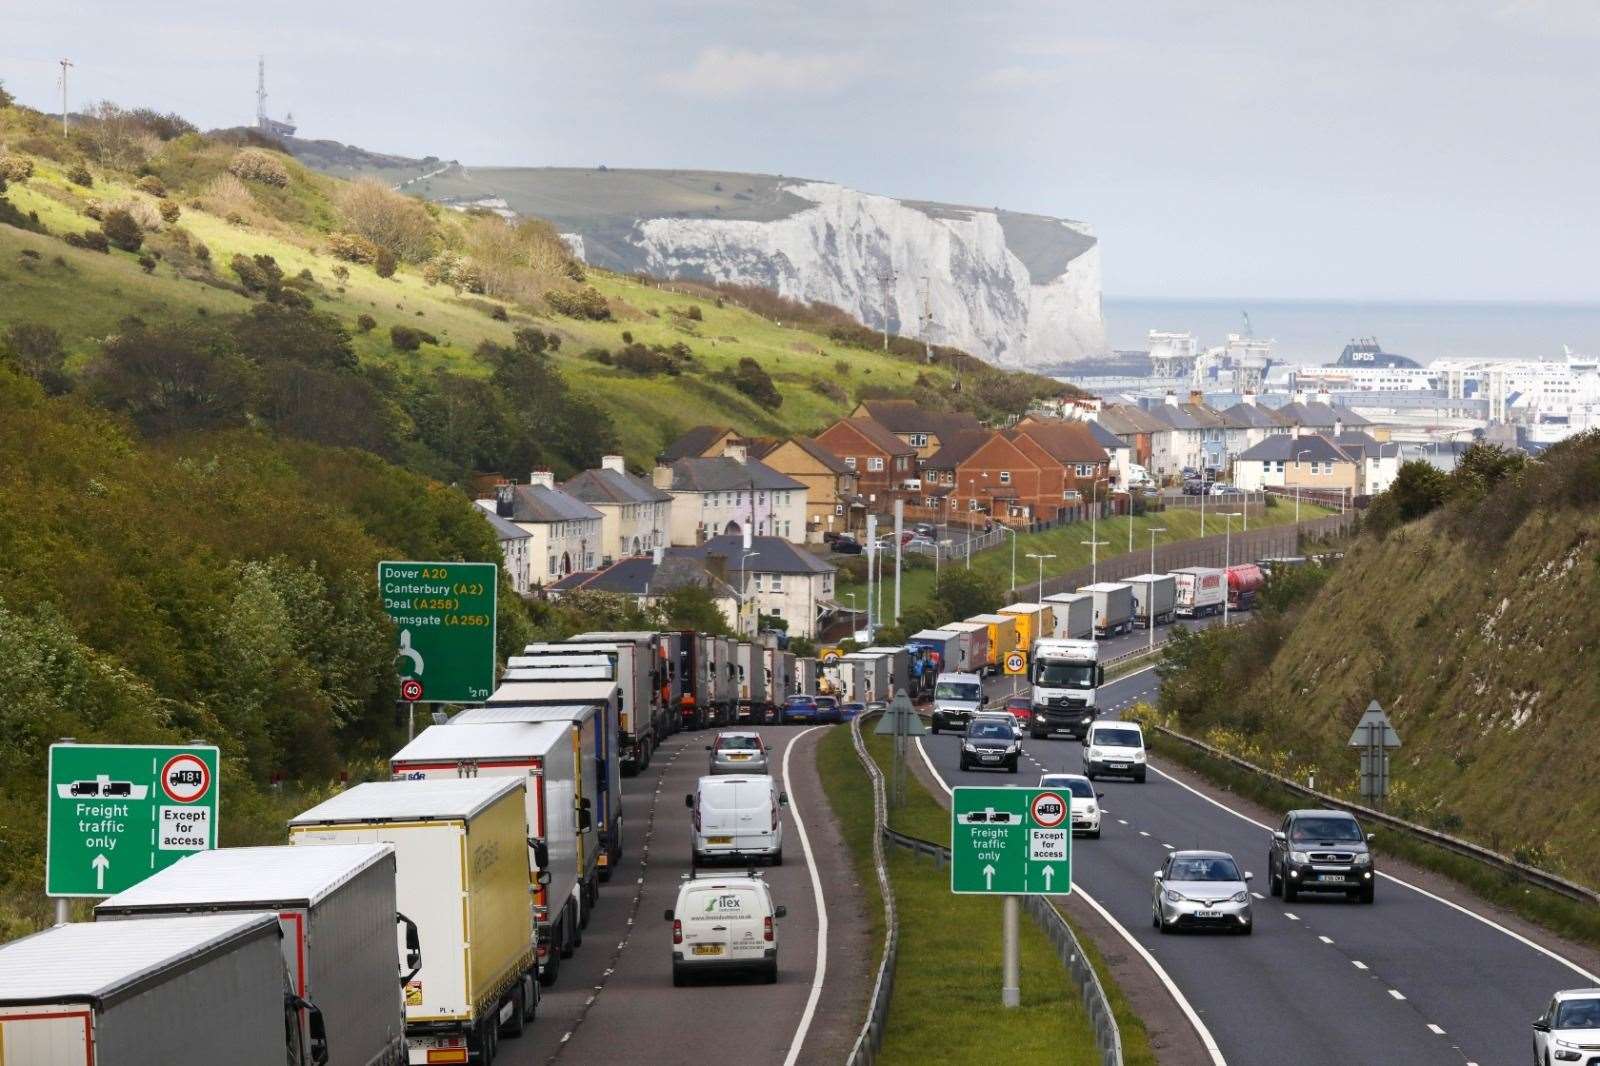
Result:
pixel 1114 748
pixel 736 816
pixel 724 923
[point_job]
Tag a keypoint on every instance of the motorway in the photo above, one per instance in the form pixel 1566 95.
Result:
pixel 613 1000
pixel 1412 978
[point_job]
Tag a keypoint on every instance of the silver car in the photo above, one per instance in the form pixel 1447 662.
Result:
pixel 1201 890
pixel 738 753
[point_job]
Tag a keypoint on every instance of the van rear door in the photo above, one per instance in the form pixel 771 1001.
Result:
pixel 719 815
pixel 756 815
pixel 723 922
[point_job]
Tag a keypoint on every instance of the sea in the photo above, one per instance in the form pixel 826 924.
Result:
pixel 1316 331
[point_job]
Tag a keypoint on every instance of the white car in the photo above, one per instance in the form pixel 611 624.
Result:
pixel 724 924
pixel 1085 801
pixel 1569 1028
pixel 1113 747
pixel 1006 718
pixel 736 816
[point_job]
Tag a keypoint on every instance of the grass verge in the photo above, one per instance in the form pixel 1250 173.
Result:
pixel 1566 917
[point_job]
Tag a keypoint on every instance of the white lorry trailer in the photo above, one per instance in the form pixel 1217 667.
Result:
pixel 461 873
pixel 1154 599
pixel 203 989
pixel 544 754
pixel 750 663
pixel 1064 675
pixel 336 908
pixel 1074 613
pixel 1200 590
pixel 1113 607
pixel 636 696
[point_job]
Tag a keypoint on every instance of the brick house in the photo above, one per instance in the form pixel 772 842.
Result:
pixel 833 503
pixel 926 431
pixel 1070 461
pixel 1000 478
pixel 882 462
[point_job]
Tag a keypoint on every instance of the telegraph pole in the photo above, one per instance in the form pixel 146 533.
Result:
pixel 65 63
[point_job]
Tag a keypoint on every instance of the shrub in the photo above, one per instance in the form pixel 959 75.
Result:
pixel 79 174
pixel 498 313
pixel 585 303
pixel 143 211
pixel 169 211
pixel 407 339
pixel 261 274
pixel 386 263
pixel 352 248
pixel 152 185
pixel 201 252
pixel 340 272
pixel 17 168
pixel 94 209
pixel 390 220
pixel 365 323
pixel 637 359
pixel 751 379
pixel 236 219
pixel 599 355
pixel 694 313
pixel 831 390
pixel 627 337
pixel 93 240
pixel 122 230
pixel 147 264
pixel 226 195
pixel 255 164
pixel 37 351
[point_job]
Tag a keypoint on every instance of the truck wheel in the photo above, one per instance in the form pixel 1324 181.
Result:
pixel 518 1020
pixel 552 965
pixel 770 975
pixel 1139 777
pixel 777 858
pixel 678 978
pixel 530 996
pixel 569 930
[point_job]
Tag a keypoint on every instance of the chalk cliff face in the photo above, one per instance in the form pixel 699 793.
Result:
pixel 870 255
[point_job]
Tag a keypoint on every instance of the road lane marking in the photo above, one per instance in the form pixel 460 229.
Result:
pixel 1491 923
pixel 1291 917
pixel 1395 992
pixel 1169 847
pixel 822 913
pixel 1326 939
pixel 1435 1029
pixel 1206 1039
pixel 1258 895
pixel 1358 964
pixel 1122 821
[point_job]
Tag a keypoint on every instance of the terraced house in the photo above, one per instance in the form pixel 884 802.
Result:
pixel 926 431
pixel 729 494
pixel 833 503
pixel 635 516
pixel 564 532
pixel 883 463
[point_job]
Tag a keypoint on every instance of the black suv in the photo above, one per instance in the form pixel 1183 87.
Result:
pixel 1320 851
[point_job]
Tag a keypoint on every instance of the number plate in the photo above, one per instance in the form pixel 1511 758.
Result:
pixel 1208 914
pixel 719 840
pixel 708 949
pixel 1118 765
pixel 1330 877
pixel 737 758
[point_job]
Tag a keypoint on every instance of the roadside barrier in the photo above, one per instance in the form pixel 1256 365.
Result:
pixel 871 1036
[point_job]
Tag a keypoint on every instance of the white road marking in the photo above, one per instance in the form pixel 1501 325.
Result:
pixel 1122 821
pixel 1258 895
pixel 1395 992
pixel 1169 847
pixel 1143 833
pixel 1206 1039
pixel 1358 964
pixel 1326 939
pixel 822 914
pixel 1291 917
pixel 1435 1030
pixel 1491 923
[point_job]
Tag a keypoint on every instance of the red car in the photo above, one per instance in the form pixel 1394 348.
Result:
pixel 1021 707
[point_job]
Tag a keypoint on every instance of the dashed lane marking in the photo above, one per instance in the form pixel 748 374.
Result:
pixel 1291 917
pixel 1258 895
pixel 1143 833
pixel 1435 1030
pixel 1396 993
pixel 1326 939
pixel 1358 964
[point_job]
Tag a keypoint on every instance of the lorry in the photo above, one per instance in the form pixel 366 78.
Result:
pixel 597 772
pixel 695 668
pixel 1002 635
pixel 943 648
pixel 1154 599
pixel 648 718
pixel 337 916
pixel 636 736
pixel 1244 582
pixel 872 679
pixel 1113 607
pixel 751 669
pixel 807 672
pixel 202 989
pixel 461 874
pixel 1074 615
pixel 725 680
pixel 1200 590
pixel 544 755
pixel 1035 621
pixel 977 656
pixel 897 664
pixel 1064 675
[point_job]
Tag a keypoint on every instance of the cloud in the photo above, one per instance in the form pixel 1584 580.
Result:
pixel 1016 77
pixel 722 73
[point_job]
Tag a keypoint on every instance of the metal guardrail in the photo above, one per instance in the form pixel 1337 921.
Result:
pixel 1107 1037
pixel 870 1039
pixel 1465 848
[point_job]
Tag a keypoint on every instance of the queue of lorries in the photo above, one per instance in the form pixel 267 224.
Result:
pixel 415 920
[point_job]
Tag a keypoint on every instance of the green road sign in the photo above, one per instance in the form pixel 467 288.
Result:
pixel 1011 841
pixel 118 813
pixel 444 620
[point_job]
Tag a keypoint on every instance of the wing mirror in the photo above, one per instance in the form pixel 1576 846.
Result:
pixel 688 801
pixel 541 852
pixel 1248 876
pixel 667 914
pixel 1279 837
pixel 780 911
pixel 413 948
pixel 319 1037
pixel 1099 795
pixel 585 817
pixel 1371 837
pixel 783 799
pixel 1159 875
pixel 708 747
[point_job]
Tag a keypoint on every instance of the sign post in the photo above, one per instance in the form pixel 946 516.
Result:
pixel 444 620
pixel 1016 666
pixel 1374 736
pixel 900 721
pixel 118 813
pixel 1010 842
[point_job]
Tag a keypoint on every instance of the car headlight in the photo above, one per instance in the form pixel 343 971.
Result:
pixel 1014 748
pixel 969 747
pixel 1087 719
pixel 1093 753
pixel 1363 859
pixel 1240 896
pixel 1138 756
pixel 1299 856
pixel 1172 896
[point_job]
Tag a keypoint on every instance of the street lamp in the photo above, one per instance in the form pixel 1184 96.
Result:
pixel 1297 455
pixel 1153 530
pixel 1227 561
pixel 1041 558
pixel 972 498
pixel 744 583
pixel 1094 558
pixel 1129 493
pixel 1094 508
pixel 1013 533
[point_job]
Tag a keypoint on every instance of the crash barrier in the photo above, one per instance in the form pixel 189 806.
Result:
pixel 1465 848
pixel 870 1038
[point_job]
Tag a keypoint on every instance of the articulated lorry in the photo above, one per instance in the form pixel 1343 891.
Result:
pixel 1074 615
pixel 636 737
pixel 1155 598
pixel 1002 636
pixel 1244 583
pixel 750 663
pixel 461 873
pixel 154 992
pixel 897 664
pixel 1064 675
pixel 656 651
pixel 1199 591
pixel 977 655
pixel 1035 621
pixel 340 941
pixel 545 755
pixel 1113 607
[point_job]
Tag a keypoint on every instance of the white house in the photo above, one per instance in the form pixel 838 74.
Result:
pixel 774 577
pixel 564 532
pixel 635 516
pixel 1309 461
pixel 731 493
pixel 647 579
pixel 514 541
pixel 1377 462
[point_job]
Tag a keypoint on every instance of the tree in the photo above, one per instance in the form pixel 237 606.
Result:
pixel 963 593
pixel 752 379
pixel 122 230
pixel 36 350
pixel 691 606
pixel 392 221
pixel 173 379
pixel 385 263
pixel 270 333
pixel 6 99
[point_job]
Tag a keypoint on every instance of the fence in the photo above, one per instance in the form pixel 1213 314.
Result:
pixel 1530 874
pixel 870 1038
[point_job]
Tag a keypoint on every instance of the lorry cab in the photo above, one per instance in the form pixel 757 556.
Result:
pixel 956 698
pixel 724 923
pixel 736 816
pixel 1065 675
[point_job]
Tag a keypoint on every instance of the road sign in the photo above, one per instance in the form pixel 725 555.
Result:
pixel 1016 663
pixel 1374 736
pixel 1010 841
pixel 118 813
pixel 444 620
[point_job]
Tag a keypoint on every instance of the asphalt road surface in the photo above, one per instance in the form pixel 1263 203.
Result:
pixel 1411 978
pixel 614 1000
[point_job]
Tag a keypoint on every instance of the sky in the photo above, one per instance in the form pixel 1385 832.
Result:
pixel 1425 150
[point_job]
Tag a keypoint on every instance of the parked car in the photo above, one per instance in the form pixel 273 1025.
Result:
pixel 846 545
pixel 1084 801
pixel 924 529
pixel 1112 747
pixel 1191 487
pixel 991 744
pixel 738 753
pixel 1569 1028
pixel 920 542
pixel 1201 890
pixel 1320 851
pixel 736 817
pixel 723 924
pixel 800 708
pixel 1222 488
pixel 827 708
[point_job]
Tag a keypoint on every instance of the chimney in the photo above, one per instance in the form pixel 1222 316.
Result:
pixel 613 462
pixel 1299 396
pixel 661 475
pixel 1196 397
pixel 1250 397
pixel 1172 399
pixel 505 499
pixel 657 554
pixel 542 477
pixel 735 451
pixel 1338 428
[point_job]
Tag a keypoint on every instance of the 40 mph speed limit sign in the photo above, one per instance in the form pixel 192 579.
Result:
pixel 1016 663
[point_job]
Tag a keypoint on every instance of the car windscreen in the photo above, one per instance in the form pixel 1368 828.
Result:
pixel 738 744
pixel 1063 675
pixel 991 731
pixel 1077 786
pixel 1577 1014
pixel 1117 738
pixel 957 690
pixel 801 699
pixel 1218 868
pixel 1341 830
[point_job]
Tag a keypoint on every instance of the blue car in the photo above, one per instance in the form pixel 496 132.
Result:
pixel 848 711
pixel 828 709
pixel 800 709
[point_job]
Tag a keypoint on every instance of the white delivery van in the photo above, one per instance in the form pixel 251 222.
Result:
pixel 724 923
pixel 1114 748
pixel 736 816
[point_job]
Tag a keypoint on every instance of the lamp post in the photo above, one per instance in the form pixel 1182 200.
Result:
pixel 1013 533
pixel 1153 530
pixel 1227 560
pixel 1094 508
pixel 1129 493
pixel 972 498
pixel 744 583
pixel 1094 558
pixel 1297 455
pixel 1041 558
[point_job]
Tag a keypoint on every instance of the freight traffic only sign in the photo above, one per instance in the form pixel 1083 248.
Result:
pixel 444 621
pixel 118 813
pixel 1010 841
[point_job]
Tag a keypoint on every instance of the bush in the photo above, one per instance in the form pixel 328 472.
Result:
pixel 694 313
pixel 255 164
pixel 147 264
pixel 17 168
pixel 38 352
pixel 751 379
pixel 831 390
pixel 407 339
pixel 93 240
pixel 389 220
pixel 637 359
pixel 352 248
pixel 201 252
pixel 169 211
pixel 366 323
pixel 122 231
pixel 498 313
pixel 585 303
pixel 386 263
pixel 599 355
pixel 152 185
pixel 93 208
pixel 79 174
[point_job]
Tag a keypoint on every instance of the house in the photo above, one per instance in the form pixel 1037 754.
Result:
pixel 775 577
pixel 883 463
pixel 1080 442
pixel 1196 437
pixel 925 430
pixel 1002 479
pixel 1308 461
pixel 1117 451
pixel 701 442
pixel 564 532
pixel 514 541
pixel 1248 424
pixel 939 471
pixel 1134 427
pixel 729 494
pixel 635 516
pixel 649 578
pixel 1319 415
pixel 1378 462
pixel 1070 462
pixel 833 503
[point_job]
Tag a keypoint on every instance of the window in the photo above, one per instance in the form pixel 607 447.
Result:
pixel 918 440
pixel 785 529
pixel 552 565
pixel 777 582
pixel 758 581
pixel 875 462
pixel 838 508
pixel 850 461
pixel 972 505
pixel 1005 477
pixel 900 463
pixel 776 612
pixel 827 583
